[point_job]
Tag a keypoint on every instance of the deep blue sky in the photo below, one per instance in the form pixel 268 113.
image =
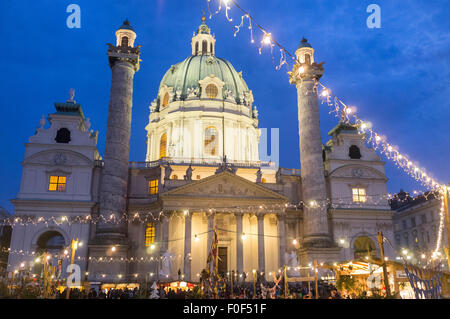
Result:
pixel 397 76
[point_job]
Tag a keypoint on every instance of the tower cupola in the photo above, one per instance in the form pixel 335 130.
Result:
pixel 125 35
pixel 203 43
pixel 305 52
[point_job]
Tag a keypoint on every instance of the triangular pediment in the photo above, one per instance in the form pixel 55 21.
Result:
pixel 225 185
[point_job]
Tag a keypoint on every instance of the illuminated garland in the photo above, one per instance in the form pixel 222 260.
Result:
pixel 149 216
pixel 340 109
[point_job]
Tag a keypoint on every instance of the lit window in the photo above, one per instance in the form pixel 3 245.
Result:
pixel 198 176
pixel 149 234
pixel 174 176
pixel 125 41
pixel 165 100
pixel 153 187
pixel 57 184
pixel 263 180
pixel 359 195
pixel 163 146
pixel 211 141
pixel 211 91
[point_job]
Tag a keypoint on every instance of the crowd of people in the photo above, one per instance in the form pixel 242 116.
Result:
pixel 257 288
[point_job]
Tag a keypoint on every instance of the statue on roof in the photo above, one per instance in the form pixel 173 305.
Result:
pixel 258 175
pixel 71 96
pixel 188 176
pixel 167 172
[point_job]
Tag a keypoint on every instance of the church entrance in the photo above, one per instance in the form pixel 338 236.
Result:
pixel 223 262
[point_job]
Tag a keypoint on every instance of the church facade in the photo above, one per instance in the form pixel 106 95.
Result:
pixel 202 176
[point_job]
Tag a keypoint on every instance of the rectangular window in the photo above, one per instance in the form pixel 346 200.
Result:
pixel 57 184
pixel 153 187
pixel 149 234
pixel 413 222
pixel 359 195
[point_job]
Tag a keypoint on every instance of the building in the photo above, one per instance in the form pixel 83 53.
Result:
pixel 201 173
pixel 416 226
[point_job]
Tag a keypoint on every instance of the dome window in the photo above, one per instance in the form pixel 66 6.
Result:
pixel 62 136
pixel 163 146
pixel 354 152
pixel 211 141
pixel 204 47
pixel 165 100
pixel 196 48
pixel 211 91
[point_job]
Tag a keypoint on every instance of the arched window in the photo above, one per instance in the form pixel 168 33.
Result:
pixel 62 136
pixel 50 240
pixel 211 141
pixel 204 47
pixel 211 91
pixel 165 100
pixel 364 246
pixel 210 48
pixel 163 146
pixel 354 152
pixel 196 48
pixel 124 41
pixel 307 59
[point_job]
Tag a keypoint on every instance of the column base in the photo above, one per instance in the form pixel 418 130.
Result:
pixel 325 255
pixel 104 270
pixel 318 241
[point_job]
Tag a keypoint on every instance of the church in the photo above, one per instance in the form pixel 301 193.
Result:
pixel 202 179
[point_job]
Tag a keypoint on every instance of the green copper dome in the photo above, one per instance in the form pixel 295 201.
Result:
pixel 189 72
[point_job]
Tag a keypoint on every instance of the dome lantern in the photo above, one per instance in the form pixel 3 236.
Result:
pixel 305 52
pixel 203 43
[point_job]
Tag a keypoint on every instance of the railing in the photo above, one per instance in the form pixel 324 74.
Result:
pixel 200 162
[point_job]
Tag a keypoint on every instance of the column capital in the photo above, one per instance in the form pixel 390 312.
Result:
pixel 304 72
pixel 260 216
pixel 281 215
pixel 129 55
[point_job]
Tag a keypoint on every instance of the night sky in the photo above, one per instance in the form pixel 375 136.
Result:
pixel 396 76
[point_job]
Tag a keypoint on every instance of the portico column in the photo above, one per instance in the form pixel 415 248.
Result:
pixel 165 234
pixel 187 247
pixel 210 231
pixel 282 239
pixel 261 250
pixel 239 244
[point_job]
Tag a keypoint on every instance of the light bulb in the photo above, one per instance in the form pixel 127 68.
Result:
pixel 267 38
